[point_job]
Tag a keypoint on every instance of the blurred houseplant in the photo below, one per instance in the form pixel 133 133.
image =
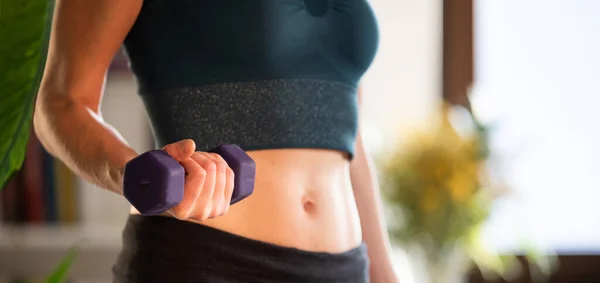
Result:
pixel 24 35
pixel 439 193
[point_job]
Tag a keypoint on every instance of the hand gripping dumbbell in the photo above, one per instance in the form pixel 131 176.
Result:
pixel 153 182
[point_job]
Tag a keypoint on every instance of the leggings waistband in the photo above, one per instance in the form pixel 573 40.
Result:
pixel 156 247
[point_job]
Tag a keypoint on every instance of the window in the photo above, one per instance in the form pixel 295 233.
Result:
pixel 537 78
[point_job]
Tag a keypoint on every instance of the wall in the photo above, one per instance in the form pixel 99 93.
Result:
pixel 404 83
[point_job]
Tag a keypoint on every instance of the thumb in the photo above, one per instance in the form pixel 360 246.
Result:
pixel 181 150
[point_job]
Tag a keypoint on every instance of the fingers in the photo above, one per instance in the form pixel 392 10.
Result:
pixel 205 204
pixel 220 195
pixel 208 183
pixel 194 181
pixel 181 150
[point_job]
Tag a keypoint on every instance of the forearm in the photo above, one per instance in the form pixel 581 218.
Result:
pixel 370 208
pixel 75 134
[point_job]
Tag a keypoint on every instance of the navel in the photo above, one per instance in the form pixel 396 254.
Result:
pixel 309 205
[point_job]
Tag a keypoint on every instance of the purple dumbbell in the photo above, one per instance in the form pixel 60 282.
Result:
pixel 153 182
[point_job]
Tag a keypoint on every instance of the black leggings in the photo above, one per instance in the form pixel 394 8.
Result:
pixel 167 250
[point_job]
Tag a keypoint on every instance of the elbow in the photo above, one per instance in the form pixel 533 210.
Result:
pixel 39 114
pixel 43 120
pixel 40 123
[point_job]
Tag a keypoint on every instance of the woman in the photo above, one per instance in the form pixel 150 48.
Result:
pixel 278 78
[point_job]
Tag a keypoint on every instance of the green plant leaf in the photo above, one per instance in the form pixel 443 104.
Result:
pixel 24 35
pixel 60 273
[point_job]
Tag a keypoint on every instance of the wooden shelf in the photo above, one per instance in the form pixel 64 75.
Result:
pixel 60 237
pixel 34 251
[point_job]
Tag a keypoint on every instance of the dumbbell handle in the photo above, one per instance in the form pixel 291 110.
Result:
pixel 154 181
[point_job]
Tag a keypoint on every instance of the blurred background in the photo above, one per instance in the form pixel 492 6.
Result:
pixel 516 78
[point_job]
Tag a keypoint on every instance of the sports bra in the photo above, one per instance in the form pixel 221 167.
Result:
pixel 261 74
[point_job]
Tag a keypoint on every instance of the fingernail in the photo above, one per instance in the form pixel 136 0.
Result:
pixel 183 147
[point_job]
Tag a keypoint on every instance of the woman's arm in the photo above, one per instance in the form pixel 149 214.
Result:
pixel 368 201
pixel 85 36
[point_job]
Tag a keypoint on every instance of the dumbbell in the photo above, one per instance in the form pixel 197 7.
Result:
pixel 153 182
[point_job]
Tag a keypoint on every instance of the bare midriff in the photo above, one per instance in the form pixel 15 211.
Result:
pixel 302 198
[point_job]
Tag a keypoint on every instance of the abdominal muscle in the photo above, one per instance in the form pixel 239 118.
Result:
pixel 302 199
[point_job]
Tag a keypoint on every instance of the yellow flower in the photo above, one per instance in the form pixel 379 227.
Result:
pixel 460 186
pixel 430 200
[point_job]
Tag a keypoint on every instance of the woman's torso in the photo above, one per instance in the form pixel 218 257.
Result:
pixel 277 77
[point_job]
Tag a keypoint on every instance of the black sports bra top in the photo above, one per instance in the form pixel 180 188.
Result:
pixel 262 74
